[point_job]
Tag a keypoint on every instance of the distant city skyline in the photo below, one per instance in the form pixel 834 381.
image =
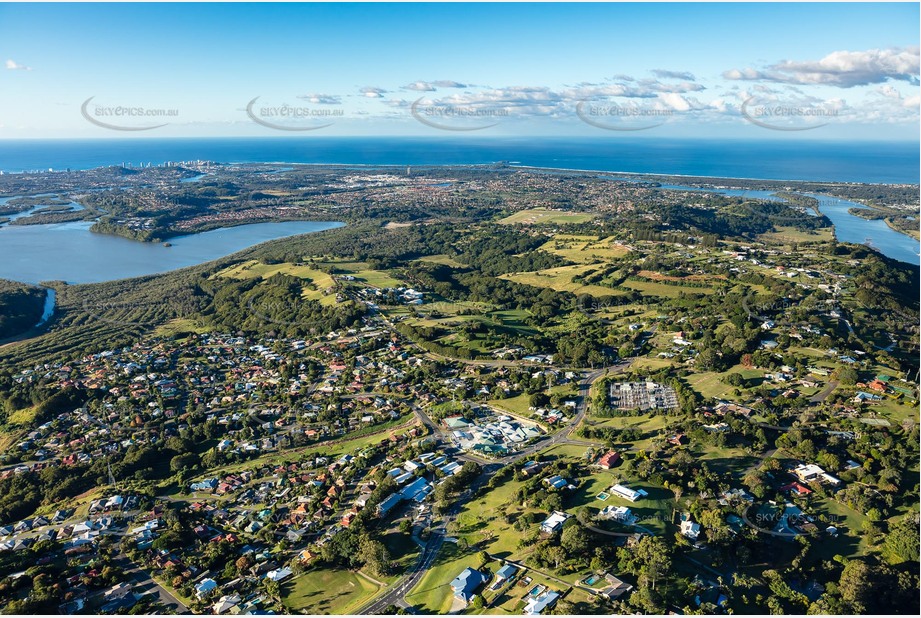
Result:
pixel 747 71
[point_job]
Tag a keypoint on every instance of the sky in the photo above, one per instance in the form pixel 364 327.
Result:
pixel 784 71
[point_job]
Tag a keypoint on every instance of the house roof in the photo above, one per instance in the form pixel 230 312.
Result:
pixel 466 583
pixel 609 458
pixel 538 605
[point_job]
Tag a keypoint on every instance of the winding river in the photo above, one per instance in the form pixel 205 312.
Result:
pixel 848 228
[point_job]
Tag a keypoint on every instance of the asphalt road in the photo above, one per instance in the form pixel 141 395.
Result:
pixel 144 584
pixel 395 595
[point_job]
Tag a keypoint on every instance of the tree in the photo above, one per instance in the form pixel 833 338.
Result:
pixel 847 376
pixel 243 563
pixel 556 555
pixel 855 584
pixel 902 542
pixel 375 556
pixel 649 560
pixel 575 540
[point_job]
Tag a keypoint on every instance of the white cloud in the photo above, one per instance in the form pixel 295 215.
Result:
pixel 322 99
pixel 372 92
pixel 12 65
pixel 664 74
pixel 447 83
pixel 420 86
pixel 845 69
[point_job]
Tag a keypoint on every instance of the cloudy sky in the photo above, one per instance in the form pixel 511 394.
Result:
pixel 804 71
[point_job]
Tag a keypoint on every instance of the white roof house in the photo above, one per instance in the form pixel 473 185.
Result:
pixel 630 494
pixel 554 522
pixel 618 513
pixel 808 472
pixel 690 529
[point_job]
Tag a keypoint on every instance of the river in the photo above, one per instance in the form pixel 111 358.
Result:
pixel 848 228
pixel 70 252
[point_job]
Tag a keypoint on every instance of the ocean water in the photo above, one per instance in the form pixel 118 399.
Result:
pixel 866 162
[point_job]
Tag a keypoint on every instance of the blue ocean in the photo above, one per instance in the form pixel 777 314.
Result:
pixel 837 161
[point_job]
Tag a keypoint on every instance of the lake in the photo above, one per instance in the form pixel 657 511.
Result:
pixel 71 253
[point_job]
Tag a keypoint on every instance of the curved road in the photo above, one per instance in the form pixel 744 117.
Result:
pixel 395 595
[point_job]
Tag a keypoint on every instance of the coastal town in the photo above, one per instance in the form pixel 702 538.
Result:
pixel 594 418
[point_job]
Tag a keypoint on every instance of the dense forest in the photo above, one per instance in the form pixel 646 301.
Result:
pixel 21 307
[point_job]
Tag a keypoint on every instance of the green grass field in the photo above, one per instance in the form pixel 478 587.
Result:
pixel 441 259
pixel 789 234
pixel 318 279
pixel 432 595
pixel 179 325
pixel 651 288
pixel 24 416
pixel 560 279
pixel 584 249
pixel 534 216
pixel 327 591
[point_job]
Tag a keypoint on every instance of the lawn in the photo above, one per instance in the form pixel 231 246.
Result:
pixel 432 595
pixel 652 363
pixel 651 288
pixel 179 325
pixel 532 216
pixel 443 259
pixel 650 426
pixel 403 550
pixel 851 541
pixel 726 460
pixel 327 591
pixel 653 512
pixel 377 279
pixel 318 281
pixel 516 405
pixel 789 234
pixel 584 249
pixel 24 416
pixel 560 279
pixel 708 384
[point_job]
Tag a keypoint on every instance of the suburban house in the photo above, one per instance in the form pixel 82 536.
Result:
pixel 504 574
pixel 689 529
pixel 466 584
pixel 618 513
pixel 616 589
pixel 278 575
pixel 537 605
pixel 554 523
pixel 205 587
pixel 226 603
pixel 812 472
pixel 556 481
pixel 630 494
pixel 608 460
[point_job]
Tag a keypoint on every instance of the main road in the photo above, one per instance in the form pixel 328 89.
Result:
pixel 395 595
